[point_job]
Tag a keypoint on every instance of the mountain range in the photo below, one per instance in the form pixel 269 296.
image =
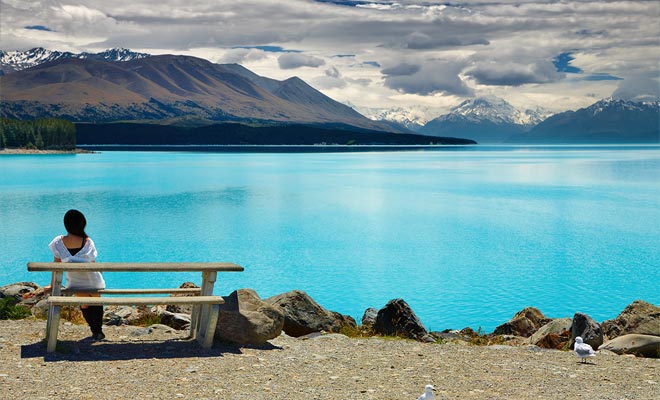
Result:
pixel 164 89
pixel 606 121
pixel 486 120
pixel 119 85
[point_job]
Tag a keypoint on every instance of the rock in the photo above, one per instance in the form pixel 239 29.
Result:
pixel 159 328
pixel 303 315
pixel 588 329
pixel 639 345
pixel 556 334
pixel 124 315
pixel 524 323
pixel 638 317
pixel 447 335
pixel 175 320
pixel 17 289
pixel 246 319
pixel 398 319
pixel 369 317
pixel 40 309
pixel 182 309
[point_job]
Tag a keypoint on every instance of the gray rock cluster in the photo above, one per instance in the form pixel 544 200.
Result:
pixel 635 331
pixel 248 320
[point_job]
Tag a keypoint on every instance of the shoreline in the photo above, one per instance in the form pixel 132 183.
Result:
pixel 14 151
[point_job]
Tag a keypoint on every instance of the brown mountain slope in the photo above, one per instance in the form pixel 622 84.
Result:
pixel 162 87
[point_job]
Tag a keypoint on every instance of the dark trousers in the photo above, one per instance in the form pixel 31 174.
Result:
pixel 94 317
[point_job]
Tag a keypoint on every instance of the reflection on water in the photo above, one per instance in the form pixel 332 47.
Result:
pixel 467 236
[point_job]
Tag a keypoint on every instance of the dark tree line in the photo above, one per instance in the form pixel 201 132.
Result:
pixel 47 134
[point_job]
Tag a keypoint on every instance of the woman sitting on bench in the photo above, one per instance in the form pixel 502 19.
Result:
pixel 76 246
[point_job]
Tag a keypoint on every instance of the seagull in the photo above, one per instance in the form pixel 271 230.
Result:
pixel 428 393
pixel 582 349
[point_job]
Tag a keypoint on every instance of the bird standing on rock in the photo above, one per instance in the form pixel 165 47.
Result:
pixel 583 350
pixel 428 393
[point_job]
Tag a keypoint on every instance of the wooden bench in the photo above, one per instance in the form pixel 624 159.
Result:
pixel 205 306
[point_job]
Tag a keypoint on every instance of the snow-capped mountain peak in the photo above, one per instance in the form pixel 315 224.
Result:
pixel 12 61
pixel 609 105
pixel 116 54
pixel 495 110
pixel 411 118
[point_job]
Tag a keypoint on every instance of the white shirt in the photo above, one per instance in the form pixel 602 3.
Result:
pixel 78 280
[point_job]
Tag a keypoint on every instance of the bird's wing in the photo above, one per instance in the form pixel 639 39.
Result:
pixel 584 350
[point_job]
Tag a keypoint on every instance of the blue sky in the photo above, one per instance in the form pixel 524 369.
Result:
pixel 420 57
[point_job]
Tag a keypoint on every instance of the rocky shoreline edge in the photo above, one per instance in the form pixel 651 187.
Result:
pixel 246 319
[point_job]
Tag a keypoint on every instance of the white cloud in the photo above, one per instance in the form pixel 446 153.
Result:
pixel 639 88
pixel 297 60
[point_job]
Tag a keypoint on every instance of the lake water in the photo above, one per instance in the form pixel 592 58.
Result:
pixel 466 235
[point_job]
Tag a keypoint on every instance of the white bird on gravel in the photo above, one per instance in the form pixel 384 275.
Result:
pixel 428 393
pixel 583 350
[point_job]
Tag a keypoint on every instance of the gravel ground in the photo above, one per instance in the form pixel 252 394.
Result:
pixel 165 365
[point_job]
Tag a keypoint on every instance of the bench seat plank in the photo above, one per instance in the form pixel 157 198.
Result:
pixel 108 301
pixel 138 291
pixel 135 267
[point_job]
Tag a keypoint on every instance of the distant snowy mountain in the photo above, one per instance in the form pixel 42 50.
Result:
pixel 12 61
pixel 486 120
pixel 411 119
pixel 606 121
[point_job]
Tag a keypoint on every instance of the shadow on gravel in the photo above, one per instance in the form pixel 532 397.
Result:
pixel 87 350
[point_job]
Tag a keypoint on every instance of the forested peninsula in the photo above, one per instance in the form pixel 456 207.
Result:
pixel 38 134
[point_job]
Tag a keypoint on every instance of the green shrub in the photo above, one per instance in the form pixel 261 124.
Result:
pixel 147 319
pixel 10 310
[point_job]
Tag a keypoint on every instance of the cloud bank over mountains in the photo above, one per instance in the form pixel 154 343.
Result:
pixel 431 55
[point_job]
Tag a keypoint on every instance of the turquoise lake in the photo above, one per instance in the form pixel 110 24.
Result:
pixel 466 235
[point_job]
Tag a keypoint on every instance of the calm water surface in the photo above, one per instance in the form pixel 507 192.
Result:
pixel 466 236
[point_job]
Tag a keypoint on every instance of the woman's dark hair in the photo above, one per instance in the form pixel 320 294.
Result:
pixel 75 222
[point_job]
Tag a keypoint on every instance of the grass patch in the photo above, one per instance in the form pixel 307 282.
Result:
pixel 9 309
pixel 355 332
pixel 147 319
pixel 480 338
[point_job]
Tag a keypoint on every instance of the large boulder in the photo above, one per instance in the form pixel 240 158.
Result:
pixel 589 330
pixel 524 323
pixel 398 319
pixel 303 315
pixel 556 334
pixel 246 319
pixel 17 290
pixel 639 345
pixel 638 317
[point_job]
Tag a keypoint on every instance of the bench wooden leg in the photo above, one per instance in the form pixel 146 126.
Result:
pixel 206 338
pixel 194 320
pixel 52 326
